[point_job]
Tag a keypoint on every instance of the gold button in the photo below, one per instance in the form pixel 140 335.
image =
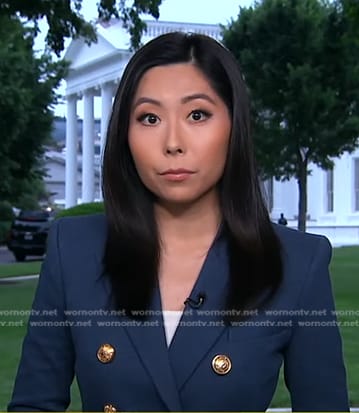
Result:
pixel 221 364
pixel 106 353
pixel 109 408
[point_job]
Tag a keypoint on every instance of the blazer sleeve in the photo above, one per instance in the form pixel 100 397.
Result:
pixel 313 362
pixel 45 371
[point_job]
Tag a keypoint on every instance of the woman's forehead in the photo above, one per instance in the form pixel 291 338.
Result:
pixel 182 79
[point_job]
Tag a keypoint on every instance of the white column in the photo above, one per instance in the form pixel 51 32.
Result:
pixel 278 206
pixel 106 105
pixel 342 189
pixel 316 193
pixel 71 152
pixel 88 159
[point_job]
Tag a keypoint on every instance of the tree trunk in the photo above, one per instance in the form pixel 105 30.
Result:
pixel 302 189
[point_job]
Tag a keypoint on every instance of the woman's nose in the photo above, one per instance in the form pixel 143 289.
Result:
pixel 174 144
pixel 173 150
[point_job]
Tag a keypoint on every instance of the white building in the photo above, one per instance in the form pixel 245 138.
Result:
pixel 333 200
pixel 333 197
pixel 55 182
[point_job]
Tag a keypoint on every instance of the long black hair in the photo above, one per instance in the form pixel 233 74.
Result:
pixel 132 253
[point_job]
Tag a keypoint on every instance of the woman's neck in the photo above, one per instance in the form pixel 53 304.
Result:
pixel 188 227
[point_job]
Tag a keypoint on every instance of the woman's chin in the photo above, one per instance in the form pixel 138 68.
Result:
pixel 186 200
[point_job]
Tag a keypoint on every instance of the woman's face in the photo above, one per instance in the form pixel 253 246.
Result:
pixel 178 134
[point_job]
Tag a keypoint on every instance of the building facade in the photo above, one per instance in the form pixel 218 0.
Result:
pixel 95 71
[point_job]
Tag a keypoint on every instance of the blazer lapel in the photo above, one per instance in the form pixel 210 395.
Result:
pixel 150 343
pixel 171 367
pixel 199 329
pixel 151 346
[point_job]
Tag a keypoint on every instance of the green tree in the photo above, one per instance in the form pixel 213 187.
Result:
pixel 351 11
pixel 65 20
pixel 28 82
pixel 302 73
pixel 33 194
pixel 27 85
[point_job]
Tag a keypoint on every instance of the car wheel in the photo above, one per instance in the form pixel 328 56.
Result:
pixel 20 256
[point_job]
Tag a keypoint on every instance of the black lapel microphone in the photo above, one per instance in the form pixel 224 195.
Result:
pixel 196 303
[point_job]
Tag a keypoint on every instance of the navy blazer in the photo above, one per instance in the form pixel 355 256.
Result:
pixel 69 325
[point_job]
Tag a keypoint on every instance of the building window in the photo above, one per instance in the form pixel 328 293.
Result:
pixel 329 190
pixel 356 184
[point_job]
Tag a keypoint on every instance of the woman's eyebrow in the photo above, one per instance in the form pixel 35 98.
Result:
pixel 194 96
pixel 185 99
pixel 145 99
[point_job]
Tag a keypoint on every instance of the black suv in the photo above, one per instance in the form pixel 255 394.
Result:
pixel 28 233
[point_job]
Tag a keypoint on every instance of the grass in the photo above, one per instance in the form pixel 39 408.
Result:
pixel 345 279
pixel 11 339
pixel 20 268
pixel 10 344
pixel 345 270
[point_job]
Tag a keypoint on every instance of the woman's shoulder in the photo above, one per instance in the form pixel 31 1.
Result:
pixel 76 245
pixel 298 243
pixel 85 232
pixel 306 258
pixel 82 226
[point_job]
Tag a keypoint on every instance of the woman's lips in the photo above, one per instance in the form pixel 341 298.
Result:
pixel 177 175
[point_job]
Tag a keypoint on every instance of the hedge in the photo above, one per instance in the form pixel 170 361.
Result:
pixel 82 209
pixel 6 212
pixel 4 230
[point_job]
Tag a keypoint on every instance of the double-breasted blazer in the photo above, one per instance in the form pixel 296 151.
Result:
pixel 209 366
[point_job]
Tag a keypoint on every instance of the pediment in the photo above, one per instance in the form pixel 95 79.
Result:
pixel 80 54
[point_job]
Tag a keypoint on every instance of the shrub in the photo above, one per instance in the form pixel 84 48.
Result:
pixel 6 212
pixel 82 209
pixel 4 230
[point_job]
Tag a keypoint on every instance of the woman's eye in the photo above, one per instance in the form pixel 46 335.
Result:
pixel 199 115
pixel 149 119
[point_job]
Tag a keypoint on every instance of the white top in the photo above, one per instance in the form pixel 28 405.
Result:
pixel 171 320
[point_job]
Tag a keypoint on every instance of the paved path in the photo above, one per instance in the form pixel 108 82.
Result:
pixel 19 278
pixel 7 257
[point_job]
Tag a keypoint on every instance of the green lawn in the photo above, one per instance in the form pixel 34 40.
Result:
pixel 345 278
pixel 20 268
pixel 11 339
pixel 345 270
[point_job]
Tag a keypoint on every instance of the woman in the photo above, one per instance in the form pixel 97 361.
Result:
pixel 184 296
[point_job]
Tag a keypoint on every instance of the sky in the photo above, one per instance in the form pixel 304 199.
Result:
pixel 188 11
